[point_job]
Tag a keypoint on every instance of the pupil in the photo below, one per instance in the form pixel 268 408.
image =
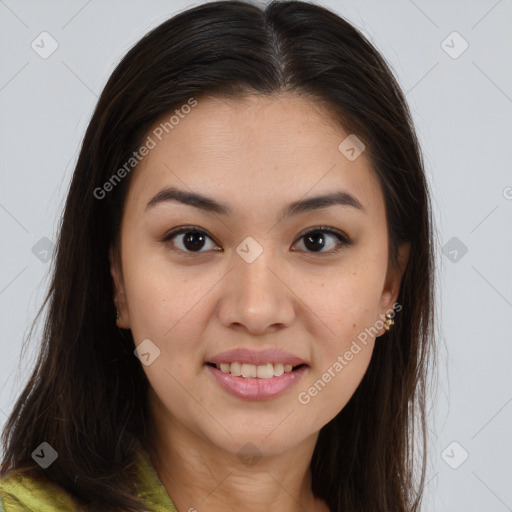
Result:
pixel 315 236
pixel 193 240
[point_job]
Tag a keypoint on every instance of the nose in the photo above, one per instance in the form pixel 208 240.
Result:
pixel 256 296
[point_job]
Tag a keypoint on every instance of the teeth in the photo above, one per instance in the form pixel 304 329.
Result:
pixel 278 369
pixel 261 371
pixel 265 372
pixel 249 370
pixel 236 369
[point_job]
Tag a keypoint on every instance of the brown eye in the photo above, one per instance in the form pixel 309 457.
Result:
pixel 189 239
pixel 318 239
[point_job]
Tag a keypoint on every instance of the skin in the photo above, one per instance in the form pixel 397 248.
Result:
pixel 256 154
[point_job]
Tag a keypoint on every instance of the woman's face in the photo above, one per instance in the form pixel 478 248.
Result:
pixel 253 272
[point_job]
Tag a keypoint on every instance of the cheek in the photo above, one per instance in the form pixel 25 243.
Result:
pixel 350 308
pixel 341 361
pixel 163 299
pixel 167 309
pixel 349 305
pixel 330 390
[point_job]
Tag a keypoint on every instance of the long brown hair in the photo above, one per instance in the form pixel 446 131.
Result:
pixel 87 394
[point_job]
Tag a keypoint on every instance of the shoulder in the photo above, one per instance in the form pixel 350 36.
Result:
pixel 20 492
pixel 23 493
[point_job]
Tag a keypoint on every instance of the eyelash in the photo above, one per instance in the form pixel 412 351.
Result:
pixel 343 240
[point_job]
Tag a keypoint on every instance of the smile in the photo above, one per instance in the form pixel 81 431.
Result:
pixel 260 371
pixel 256 382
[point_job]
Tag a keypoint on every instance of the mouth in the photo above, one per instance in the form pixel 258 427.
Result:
pixel 256 374
pixel 253 371
pixel 255 382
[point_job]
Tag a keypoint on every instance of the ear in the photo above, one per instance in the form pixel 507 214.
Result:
pixel 119 293
pixel 393 280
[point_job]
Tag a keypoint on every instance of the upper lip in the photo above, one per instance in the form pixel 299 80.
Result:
pixel 256 357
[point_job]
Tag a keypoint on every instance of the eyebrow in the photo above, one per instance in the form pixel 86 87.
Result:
pixel 336 198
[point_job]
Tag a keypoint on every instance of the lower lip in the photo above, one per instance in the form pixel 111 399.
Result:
pixel 254 388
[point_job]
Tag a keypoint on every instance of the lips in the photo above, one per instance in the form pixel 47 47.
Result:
pixel 256 375
pixel 257 388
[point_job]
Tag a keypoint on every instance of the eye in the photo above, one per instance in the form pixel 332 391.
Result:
pixel 189 239
pixel 315 240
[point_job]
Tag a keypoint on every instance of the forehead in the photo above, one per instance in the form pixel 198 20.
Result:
pixel 268 148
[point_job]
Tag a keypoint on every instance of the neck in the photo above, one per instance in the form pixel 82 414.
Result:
pixel 200 476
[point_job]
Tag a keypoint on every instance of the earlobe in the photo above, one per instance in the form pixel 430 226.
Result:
pixel 122 317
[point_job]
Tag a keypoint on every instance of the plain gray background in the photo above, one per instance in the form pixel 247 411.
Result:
pixel 461 101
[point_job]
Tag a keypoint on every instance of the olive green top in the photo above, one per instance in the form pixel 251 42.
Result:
pixel 20 493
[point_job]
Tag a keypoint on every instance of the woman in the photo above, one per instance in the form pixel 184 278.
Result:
pixel 241 310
